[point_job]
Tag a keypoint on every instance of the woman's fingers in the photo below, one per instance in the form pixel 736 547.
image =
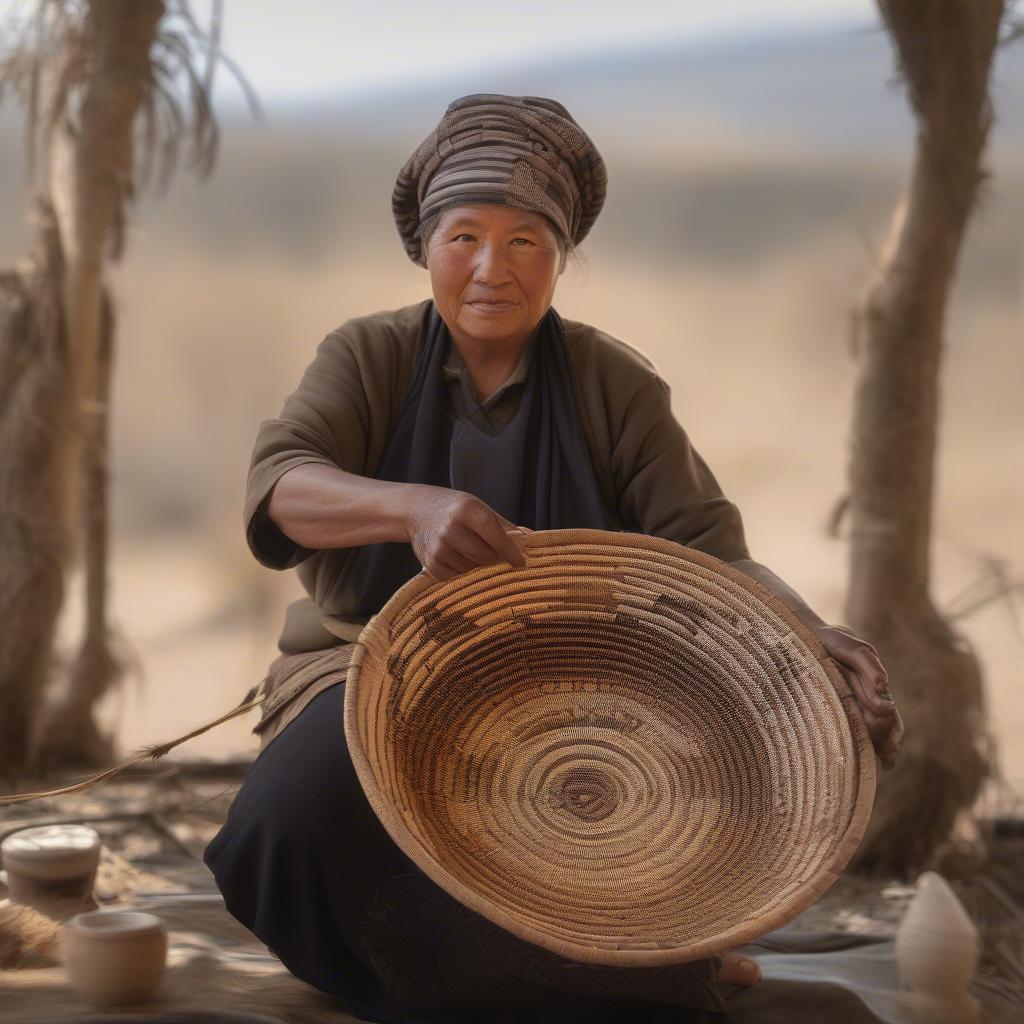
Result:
pixel 875 730
pixel 498 537
pixel 867 686
pixel 875 679
pixel 453 531
pixel 472 546
pixel 886 732
pixel 448 563
pixel 867 676
pixel 892 745
pixel 471 535
pixel 863 670
pixel 514 527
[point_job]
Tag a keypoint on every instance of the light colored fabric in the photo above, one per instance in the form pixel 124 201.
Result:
pixel 808 978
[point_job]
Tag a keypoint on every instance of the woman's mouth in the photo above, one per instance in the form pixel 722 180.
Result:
pixel 485 306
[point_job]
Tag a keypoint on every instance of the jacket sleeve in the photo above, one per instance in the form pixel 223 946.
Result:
pixel 325 420
pixel 665 488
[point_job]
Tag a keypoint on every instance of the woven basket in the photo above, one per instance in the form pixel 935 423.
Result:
pixel 627 751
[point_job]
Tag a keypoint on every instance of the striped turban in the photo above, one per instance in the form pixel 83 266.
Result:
pixel 521 151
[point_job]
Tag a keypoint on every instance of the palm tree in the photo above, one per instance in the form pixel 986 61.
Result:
pixel 100 82
pixel 944 53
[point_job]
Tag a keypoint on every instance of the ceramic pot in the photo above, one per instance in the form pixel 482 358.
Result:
pixel 958 1009
pixel 114 956
pixel 937 943
pixel 51 860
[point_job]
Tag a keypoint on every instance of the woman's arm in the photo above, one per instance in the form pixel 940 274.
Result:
pixel 319 506
pixel 857 659
pixel 780 588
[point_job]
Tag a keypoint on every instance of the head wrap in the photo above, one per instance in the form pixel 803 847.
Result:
pixel 521 151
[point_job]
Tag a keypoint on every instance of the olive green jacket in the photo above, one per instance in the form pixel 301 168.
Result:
pixel 341 414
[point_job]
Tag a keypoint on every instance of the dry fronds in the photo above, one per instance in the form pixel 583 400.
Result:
pixel 169 119
pixel 52 56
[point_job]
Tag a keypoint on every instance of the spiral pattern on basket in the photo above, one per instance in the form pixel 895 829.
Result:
pixel 620 752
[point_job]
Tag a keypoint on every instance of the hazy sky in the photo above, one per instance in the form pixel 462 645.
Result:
pixel 302 49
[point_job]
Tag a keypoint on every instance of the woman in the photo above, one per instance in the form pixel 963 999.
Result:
pixel 429 437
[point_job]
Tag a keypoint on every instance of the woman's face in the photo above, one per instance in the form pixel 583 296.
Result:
pixel 493 271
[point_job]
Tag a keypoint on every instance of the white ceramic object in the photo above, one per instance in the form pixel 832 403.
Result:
pixel 961 1009
pixel 937 953
pixel 55 859
pixel 114 956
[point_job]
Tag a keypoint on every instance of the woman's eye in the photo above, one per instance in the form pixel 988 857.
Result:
pixel 459 237
pixel 525 242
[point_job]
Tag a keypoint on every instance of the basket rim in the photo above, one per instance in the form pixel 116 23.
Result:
pixel 799 899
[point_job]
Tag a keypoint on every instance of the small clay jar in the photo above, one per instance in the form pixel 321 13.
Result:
pixel 937 953
pixel 114 956
pixel 51 861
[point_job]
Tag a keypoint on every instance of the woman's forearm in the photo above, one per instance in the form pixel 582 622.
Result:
pixel 780 588
pixel 320 506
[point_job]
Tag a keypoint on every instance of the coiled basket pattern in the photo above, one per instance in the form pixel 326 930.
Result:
pixel 627 752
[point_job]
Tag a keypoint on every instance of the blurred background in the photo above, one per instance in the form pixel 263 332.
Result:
pixel 755 153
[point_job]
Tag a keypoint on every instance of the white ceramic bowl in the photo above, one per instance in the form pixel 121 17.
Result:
pixel 58 859
pixel 114 956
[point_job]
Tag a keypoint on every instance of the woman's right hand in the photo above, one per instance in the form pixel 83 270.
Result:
pixel 452 532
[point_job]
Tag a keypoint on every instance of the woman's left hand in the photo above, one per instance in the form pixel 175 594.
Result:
pixel 859 662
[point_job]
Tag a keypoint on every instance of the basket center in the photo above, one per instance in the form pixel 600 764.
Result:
pixel 585 791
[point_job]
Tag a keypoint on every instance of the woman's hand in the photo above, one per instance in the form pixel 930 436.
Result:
pixel 452 532
pixel 859 662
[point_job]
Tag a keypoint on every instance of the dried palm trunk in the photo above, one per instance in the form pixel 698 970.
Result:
pixel 70 735
pixel 90 175
pixel 36 413
pixel 945 53
pixel 90 172
pixel 86 70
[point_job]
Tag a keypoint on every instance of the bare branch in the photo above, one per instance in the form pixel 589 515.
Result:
pixel 993 583
pixel 46 57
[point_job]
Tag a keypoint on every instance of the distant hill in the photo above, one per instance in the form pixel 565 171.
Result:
pixel 717 152
pixel 819 90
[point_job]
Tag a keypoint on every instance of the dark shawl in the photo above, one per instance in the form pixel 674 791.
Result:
pixel 544 449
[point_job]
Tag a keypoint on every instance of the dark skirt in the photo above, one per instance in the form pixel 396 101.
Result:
pixel 304 863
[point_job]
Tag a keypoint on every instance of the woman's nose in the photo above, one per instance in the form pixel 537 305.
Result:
pixel 491 265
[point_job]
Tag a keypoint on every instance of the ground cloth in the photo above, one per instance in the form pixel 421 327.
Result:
pixel 219 970
pixel 815 969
